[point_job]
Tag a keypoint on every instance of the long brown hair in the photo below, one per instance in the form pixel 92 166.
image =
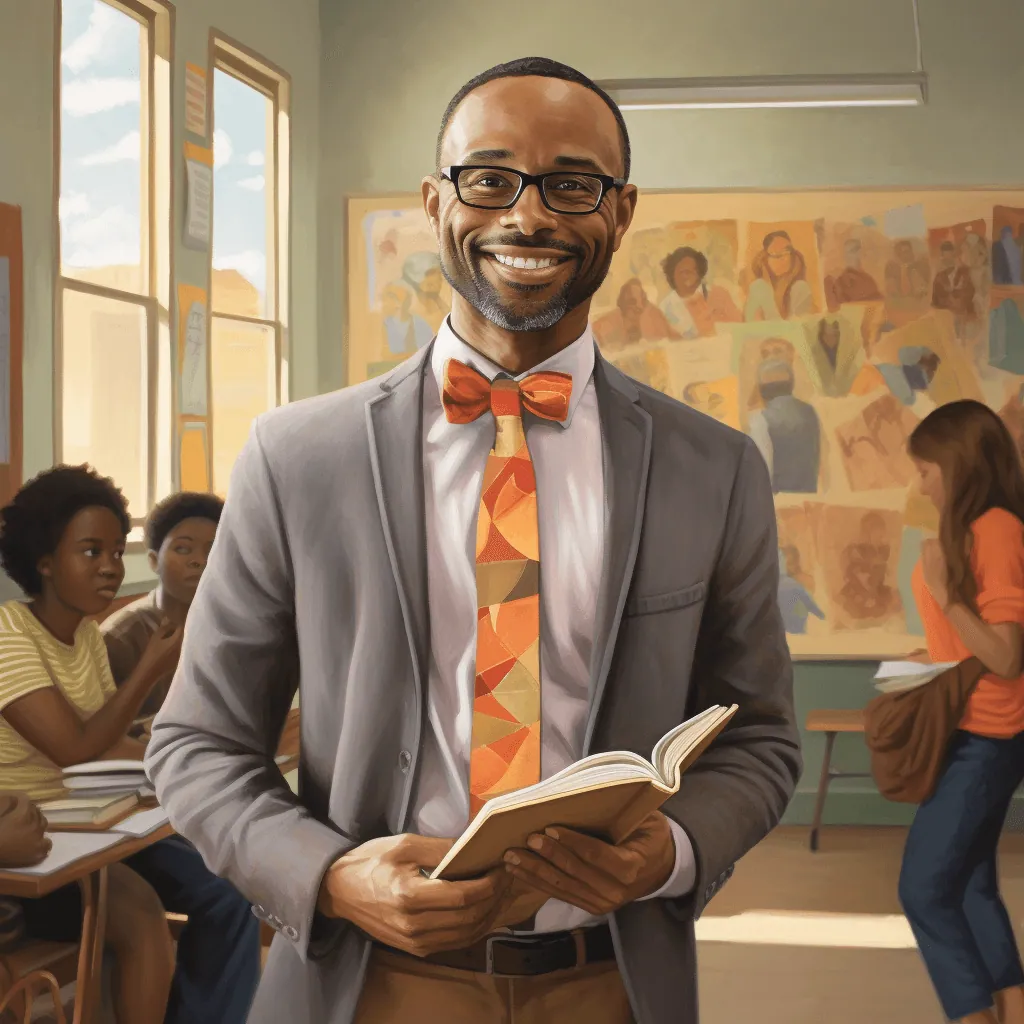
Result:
pixel 981 470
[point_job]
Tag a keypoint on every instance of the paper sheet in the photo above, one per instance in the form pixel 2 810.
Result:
pixel 141 823
pixel 906 222
pixel 195 99
pixel 69 847
pixel 897 669
pixel 192 350
pixel 199 175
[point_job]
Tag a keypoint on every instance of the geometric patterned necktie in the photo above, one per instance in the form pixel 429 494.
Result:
pixel 505 748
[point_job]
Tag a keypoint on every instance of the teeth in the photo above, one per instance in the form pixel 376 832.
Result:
pixel 524 264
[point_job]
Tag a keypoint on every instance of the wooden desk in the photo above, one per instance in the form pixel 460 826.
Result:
pixel 90 872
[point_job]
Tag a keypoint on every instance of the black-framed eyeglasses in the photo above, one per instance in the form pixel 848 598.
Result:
pixel 499 188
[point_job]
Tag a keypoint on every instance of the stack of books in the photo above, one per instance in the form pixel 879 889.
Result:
pixel 99 794
pixel 897 676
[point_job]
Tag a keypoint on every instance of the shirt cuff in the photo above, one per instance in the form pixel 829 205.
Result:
pixel 684 871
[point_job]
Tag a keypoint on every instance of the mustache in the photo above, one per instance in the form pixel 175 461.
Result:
pixel 528 242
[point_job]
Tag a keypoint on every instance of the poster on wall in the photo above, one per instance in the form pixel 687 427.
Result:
pixel 11 347
pixel 193 356
pixel 199 196
pixel 195 100
pixel 824 324
pixel 195 458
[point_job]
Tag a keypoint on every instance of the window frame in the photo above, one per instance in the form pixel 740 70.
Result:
pixel 156 18
pixel 254 70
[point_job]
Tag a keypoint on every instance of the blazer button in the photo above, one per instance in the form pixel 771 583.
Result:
pixel 404 760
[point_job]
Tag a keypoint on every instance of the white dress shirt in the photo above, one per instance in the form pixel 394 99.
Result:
pixel 571 511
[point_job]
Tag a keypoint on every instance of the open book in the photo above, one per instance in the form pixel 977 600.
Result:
pixel 897 676
pixel 606 795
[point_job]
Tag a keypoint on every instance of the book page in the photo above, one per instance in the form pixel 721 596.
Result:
pixel 69 847
pixel 897 669
pixel 104 767
pixel 141 823
pixel 673 747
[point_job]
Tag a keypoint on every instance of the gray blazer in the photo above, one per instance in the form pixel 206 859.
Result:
pixel 317 580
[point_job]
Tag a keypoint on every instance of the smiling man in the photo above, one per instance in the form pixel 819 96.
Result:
pixel 499 558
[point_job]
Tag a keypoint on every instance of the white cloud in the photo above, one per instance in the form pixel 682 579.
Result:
pixel 250 263
pixel 222 148
pixel 253 184
pixel 110 238
pixel 88 46
pixel 255 159
pixel 93 95
pixel 126 148
pixel 74 204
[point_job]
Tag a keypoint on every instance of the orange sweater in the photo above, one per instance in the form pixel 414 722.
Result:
pixel 996 707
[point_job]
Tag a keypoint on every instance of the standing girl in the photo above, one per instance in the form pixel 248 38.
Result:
pixel 969 589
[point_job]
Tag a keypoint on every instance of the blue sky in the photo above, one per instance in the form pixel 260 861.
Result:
pixel 100 147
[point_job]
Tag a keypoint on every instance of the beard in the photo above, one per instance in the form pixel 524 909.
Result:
pixel 531 313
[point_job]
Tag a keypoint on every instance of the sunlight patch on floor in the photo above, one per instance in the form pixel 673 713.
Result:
pixel 796 928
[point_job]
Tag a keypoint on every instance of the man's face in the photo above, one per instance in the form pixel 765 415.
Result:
pixel 904 252
pixel 776 348
pixel 947 254
pixel 852 252
pixel 431 283
pixel 533 125
pixel 686 276
pixel 632 300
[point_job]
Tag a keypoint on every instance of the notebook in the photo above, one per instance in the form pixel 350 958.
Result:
pixel 67 848
pixel 89 812
pixel 897 676
pixel 606 795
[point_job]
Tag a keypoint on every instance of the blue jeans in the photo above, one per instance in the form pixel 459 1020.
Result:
pixel 949 886
pixel 218 964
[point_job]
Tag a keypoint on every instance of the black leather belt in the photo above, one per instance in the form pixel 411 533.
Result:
pixel 525 955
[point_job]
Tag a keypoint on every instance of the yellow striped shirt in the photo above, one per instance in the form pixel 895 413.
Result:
pixel 32 658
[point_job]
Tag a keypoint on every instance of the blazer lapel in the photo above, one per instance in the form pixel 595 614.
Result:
pixel 394 424
pixel 626 434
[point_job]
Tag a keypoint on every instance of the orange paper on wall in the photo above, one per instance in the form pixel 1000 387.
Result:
pixel 195 469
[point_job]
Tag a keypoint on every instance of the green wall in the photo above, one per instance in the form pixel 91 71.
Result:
pixel 389 69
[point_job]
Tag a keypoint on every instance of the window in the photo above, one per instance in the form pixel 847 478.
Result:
pixel 112 380
pixel 248 279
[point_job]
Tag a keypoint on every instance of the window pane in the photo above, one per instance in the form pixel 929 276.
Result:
pixel 105 410
pixel 243 224
pixel 243 386
pixel 102 191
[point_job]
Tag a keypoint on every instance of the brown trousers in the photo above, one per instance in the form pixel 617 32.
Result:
pixel 399 989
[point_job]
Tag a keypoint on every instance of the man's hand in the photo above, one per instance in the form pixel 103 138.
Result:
pixel 594 875
pixel 22 842
pixel 378 886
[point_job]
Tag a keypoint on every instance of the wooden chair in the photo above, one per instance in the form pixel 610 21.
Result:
pixel 32 968
pixel 832 722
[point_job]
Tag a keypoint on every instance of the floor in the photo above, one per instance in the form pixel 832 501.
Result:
pixel 818 938
pixel 804 938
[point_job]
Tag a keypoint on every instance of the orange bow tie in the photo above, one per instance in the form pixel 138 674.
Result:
pixel 467 394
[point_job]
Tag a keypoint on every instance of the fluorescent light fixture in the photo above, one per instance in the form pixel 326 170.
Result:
pixel 901 90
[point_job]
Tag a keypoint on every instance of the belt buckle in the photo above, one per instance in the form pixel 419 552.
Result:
pixel 523 940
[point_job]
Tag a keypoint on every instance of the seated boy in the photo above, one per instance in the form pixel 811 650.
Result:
pixel 179 535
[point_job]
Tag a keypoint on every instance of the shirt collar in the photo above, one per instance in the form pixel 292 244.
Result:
pixel 576 359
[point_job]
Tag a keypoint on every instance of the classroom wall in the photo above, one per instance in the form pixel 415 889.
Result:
pixel 390 67
pixel 287 34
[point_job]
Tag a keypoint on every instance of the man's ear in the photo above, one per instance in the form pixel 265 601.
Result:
pixel 432 203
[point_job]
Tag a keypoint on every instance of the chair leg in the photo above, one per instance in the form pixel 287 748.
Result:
pixel 819 803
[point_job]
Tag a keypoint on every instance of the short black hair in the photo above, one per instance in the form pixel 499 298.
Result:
pixel 535 67
pixel 670 262
pixel 176 509
pixel 32 525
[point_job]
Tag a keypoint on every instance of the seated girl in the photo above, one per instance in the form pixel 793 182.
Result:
pixel 63 538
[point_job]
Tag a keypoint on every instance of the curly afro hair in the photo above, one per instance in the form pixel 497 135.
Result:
pixel 32 525
pixel 176 509
pixel 670 262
